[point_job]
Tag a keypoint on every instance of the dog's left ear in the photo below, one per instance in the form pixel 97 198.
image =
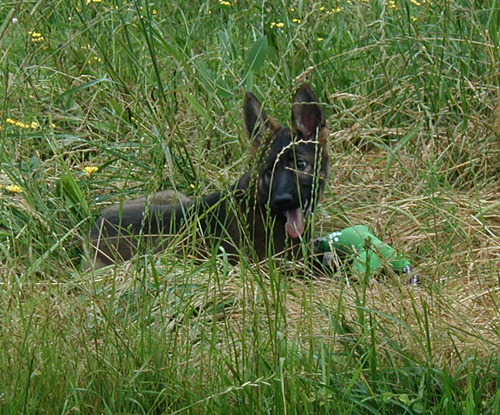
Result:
pixel 256 120
pixel 307 115
pixel 258 124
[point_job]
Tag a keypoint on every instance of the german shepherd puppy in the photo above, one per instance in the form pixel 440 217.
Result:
pixel 264 214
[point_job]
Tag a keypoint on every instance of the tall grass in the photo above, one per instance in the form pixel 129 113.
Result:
pixel 150 94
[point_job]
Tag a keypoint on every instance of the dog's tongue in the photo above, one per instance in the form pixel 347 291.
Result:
pixel 294 225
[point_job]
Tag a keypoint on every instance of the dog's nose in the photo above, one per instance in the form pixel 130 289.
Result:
pixel 282 202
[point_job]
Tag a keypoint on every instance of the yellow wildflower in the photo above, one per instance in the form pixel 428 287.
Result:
pixel 90 170
pixel 296 20
pixel 391 4
pixel 94 59
pixel 33 125
pixel 14 188
pixel 225 3
pixel 320 39
pixel 279 25
pixel 36 37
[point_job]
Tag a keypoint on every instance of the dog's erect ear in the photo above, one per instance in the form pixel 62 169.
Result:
pixel 307 115
pixel 256 120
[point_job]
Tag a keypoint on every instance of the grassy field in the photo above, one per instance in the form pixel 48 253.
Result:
pixel 101 101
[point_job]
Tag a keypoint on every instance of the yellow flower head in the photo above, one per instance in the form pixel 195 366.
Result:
pixel 391 4
pixel 94 59
pixel 279 25
pixel 90 170
pixel 36 37
pixel 14 188
pixel 33 125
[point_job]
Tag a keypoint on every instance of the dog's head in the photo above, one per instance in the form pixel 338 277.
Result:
pixel 292 163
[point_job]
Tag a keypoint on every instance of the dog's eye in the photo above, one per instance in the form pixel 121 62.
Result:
pixel 301 165
pixel 268 173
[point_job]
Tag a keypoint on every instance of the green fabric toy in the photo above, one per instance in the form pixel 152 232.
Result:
pixel 370 253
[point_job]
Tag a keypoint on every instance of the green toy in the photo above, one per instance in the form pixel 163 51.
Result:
pixel 370 253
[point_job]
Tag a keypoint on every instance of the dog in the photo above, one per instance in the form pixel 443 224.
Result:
pixel 264 214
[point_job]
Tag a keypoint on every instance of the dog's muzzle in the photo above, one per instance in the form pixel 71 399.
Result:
pixel 296 218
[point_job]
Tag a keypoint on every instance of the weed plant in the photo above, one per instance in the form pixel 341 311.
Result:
pixel 102 101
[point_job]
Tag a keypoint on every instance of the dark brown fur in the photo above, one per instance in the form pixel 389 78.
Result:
pixel 260 216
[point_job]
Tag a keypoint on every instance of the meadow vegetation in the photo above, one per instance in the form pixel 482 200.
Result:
pixel 102 101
